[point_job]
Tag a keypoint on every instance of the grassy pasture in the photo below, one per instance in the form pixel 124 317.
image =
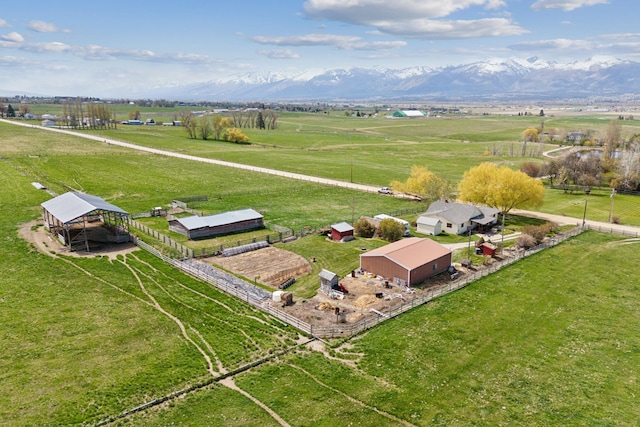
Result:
pixel 551 340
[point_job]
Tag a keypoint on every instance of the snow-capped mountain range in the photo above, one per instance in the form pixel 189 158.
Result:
pixel 493 79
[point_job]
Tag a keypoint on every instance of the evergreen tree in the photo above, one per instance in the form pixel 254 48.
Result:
pixel 10 111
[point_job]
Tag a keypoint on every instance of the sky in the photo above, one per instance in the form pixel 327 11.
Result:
pixel 124 49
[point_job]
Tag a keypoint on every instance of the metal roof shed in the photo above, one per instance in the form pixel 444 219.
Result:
pixel 71 216
pixel 198 227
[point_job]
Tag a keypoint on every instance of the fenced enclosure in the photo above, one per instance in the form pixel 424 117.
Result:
pixel 261 299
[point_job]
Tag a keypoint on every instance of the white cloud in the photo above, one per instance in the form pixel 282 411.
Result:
pixel 307 40
pixel 340 42
pixel 46 47
pixel 366 12
pixel 45 27
pixel 279 54
pixel 566 5
pixel 14 61
pixel 13 37
pixel 416 18
pixel 380 45
pixel 434 29
pixel 555 44
pixel 4 23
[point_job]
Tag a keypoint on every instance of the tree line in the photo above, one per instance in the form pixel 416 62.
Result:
pixel 223 128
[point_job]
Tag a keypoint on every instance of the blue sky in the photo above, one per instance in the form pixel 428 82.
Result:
pixel 116 48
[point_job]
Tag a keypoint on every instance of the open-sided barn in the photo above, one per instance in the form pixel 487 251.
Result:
pixel 408 261
pixel 77 219
pixel 200 227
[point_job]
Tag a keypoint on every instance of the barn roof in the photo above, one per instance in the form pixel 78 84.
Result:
pixel 342 227
pixel 72 205
pixel 410 253
pixel 231 217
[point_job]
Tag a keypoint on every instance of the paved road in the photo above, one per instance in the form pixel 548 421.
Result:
pixel 560 219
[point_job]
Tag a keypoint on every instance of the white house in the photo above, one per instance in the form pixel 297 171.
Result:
pixel 459 218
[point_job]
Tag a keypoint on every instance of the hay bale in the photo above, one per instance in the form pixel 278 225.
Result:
pixel 365 301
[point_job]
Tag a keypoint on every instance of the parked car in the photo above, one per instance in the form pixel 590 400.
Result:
pixel 385 190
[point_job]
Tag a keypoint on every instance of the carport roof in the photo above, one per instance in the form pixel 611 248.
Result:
pixel 72 205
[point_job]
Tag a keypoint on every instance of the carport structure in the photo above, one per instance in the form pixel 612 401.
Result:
pixel 77 219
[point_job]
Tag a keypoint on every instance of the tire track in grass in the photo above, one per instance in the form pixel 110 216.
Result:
pixel 185 304
pixel 177 321
pixel 207 297
pixel 352 399
pixel 228 382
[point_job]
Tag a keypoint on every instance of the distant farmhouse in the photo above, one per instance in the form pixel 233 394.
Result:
pixel 200 227
pixel 456 218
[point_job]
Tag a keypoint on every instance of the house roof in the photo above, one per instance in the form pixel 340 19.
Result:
pixel 461 212
pixel 410 253
pixel 231 217
pixel 342 227
pixel 327 275
pixel 72 205
pixel 427 220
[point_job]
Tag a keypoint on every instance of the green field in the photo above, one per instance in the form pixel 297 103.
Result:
pixel 551 340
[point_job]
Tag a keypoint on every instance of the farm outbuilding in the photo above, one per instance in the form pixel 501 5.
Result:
pixel 81 221
pixel 328 281
pixel 408 261
pixel 200 227
pixel 341 232
pixel 429 225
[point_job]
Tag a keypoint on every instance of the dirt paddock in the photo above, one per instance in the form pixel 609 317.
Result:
pixel 270 266
pixel 35 233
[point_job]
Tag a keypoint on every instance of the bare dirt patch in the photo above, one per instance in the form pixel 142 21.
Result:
pixel 270 266
pixel 35 233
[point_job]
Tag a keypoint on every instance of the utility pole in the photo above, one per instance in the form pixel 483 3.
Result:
pixel 502 230
pixel 613 192
pixel 584 215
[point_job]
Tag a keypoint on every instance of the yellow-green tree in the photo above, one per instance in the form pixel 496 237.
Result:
pixel 235 135
pixel 219 124
pixel 425 184
pixel 500 187
pixel 530 135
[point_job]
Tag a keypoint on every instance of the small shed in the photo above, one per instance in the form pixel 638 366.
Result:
pixel 487 248
pixel 328 281
pixel 429 225
pixel 342 232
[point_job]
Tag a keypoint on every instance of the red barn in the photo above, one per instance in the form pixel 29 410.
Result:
pixel 407 261
pixel 341 232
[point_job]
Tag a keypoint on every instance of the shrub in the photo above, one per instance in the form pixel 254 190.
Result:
pixel 531 169
pixel 526 241
pixel 364 228
pixel 390 230
pixel 537 233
